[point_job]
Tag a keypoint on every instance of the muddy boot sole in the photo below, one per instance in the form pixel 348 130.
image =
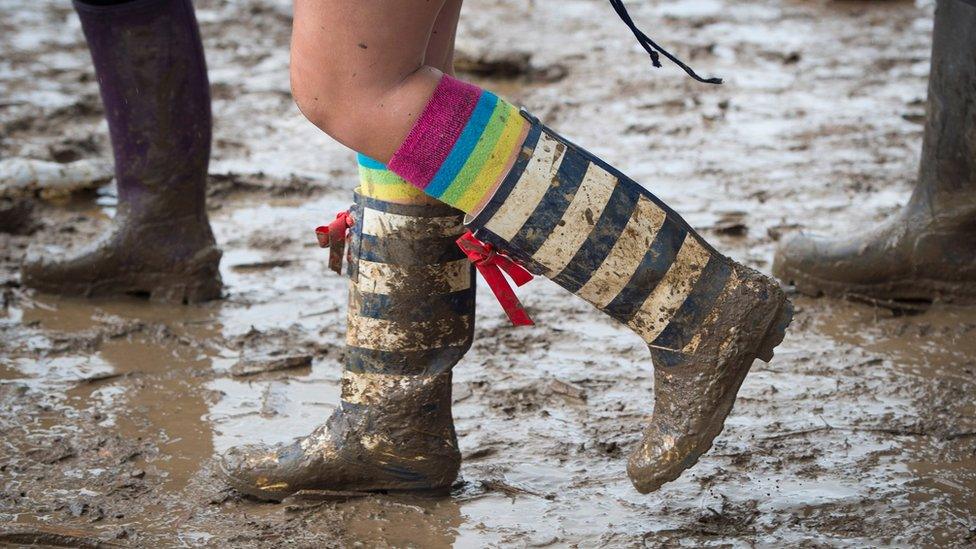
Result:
pixel 198 281
pixel 897 294
pixel 280 492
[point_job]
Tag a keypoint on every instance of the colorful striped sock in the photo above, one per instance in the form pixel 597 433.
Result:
pixel 462 146
pixel 375 181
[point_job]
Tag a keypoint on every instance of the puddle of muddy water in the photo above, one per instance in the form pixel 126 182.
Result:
pixel 807 444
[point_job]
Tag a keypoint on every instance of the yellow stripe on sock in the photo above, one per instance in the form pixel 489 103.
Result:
pixel 481 154
pixel 388 186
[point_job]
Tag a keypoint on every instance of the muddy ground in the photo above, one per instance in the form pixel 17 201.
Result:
pixel 862 430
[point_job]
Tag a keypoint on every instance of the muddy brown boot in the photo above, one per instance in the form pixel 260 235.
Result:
pixel 567 215
pixel 153 81
pixel 927 251
pixel 411 318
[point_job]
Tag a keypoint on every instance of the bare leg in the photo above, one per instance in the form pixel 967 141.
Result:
pixel 358 69
pixel 440 47
pixel 375 181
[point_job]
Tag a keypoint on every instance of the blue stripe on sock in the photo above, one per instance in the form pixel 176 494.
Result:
pixel 601 239
pixel 656 262
pixel 464 146
pixel 368 162
pixel 549 212
pixel 689 317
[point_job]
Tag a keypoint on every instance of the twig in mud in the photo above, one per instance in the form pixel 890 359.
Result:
pixel 263 265
pixel 320 497
pixel 319 313
pixel 53 536
pixel 259 365
pixel 107 376
pixel 33 303
pixel 956 436
pixel 567 389
pixel 894 306
pixel 197 322
pixel 799 433
pixel 498 485
pixel 894 431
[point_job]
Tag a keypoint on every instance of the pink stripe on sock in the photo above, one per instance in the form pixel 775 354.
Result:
pixel 435 132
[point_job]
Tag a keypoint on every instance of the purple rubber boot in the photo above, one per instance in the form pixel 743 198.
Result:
pixel 153 81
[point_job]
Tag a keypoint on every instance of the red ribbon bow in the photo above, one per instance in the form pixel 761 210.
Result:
pixel 490 264
pixel 333 236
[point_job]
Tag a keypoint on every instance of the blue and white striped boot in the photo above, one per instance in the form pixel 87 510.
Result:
pixel 569 216
pixel 411 319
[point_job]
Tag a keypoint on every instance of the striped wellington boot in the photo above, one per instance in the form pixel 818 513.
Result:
pixel 411 319
pixel 567 215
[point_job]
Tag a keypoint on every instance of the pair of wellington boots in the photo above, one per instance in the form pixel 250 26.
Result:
pixel 153 82
pixel 561 213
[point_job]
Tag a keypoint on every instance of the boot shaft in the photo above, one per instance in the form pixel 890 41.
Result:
pixel 153 81
pixel 411 289
pixel 568 215
pixel 411 313
pixel 410 320
pixel 948 168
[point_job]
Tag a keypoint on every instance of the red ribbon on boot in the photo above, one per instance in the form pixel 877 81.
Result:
pixel 333 236
pixel 490 264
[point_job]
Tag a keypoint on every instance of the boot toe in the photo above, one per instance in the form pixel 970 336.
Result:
pixel 660 458
pixel 817 266
pixel 254 469
pixel 48 268
pixel 799 253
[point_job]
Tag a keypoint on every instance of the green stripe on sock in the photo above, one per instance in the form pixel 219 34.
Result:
pixel 482 151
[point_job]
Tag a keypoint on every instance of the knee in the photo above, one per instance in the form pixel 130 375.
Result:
pixel 324 99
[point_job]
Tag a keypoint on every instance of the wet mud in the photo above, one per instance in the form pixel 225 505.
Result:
pixel 861 431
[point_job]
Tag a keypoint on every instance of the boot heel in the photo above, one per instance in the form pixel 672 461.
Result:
pixel 776 332
pixel 202 282
pixel 205 288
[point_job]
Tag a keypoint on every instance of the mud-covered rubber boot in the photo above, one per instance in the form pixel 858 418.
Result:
pixel 565 214
pixel 411 319
pixel 927 251
pixel 153 81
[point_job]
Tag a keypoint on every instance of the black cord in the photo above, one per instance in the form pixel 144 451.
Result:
pixel 652 48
